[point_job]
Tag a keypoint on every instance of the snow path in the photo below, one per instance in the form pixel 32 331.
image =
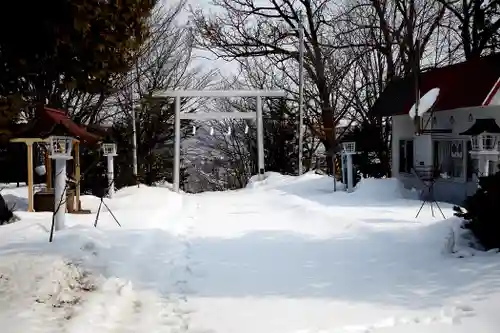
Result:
pixel 275 262
pixel 291 257
pixel 147 291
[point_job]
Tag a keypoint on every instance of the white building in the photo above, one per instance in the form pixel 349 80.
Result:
pixel 468 95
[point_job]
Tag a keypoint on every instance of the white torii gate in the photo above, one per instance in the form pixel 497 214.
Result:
pixel 258 94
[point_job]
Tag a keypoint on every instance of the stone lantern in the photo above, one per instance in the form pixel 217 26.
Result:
pixel 60 148
pixel 109 150
pixel 485 137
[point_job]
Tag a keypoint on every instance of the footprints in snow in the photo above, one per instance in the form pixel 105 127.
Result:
pixel 448 315
pixel 118 306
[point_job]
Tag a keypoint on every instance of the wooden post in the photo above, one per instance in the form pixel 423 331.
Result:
pixel 77 175
pixel 48 171
pixel 29 145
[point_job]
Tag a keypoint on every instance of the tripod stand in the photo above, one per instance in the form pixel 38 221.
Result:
pixel 105 205
pixel 427 177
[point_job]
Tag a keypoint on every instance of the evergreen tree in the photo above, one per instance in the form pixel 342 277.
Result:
pixel 48 48
pixel 481 212
pixel 372 159
pixel 280 139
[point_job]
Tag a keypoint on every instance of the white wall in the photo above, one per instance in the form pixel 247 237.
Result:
pixel 403 128
pixel 461 121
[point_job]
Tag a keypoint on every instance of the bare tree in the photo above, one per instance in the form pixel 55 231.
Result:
pixel 476 24
pixel 226 155
pixel 249 28
pixel 400 30
pixel 164 62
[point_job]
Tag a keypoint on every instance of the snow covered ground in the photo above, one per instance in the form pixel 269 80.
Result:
pixel 285 255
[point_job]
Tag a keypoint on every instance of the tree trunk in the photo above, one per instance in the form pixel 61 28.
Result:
pixel 330 154
pixel 330 140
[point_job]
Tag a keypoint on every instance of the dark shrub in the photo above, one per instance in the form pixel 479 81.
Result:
pixel 481 212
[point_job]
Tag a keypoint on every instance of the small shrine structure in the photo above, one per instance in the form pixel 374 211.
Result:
pixel 51 122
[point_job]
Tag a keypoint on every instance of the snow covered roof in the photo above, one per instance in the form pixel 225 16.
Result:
pixel 466 84
pixel 488 125
pixel 53 121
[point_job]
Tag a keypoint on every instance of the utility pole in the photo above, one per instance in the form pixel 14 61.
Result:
pixel 301 93
pixel 134 141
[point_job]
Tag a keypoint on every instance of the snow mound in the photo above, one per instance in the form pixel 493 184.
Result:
pixel 306 182
pixel 146 197
pixel 270 178
pixel 41 286
pixel 18 203
pixel 462 243
pixel 164 184
pixel 383 189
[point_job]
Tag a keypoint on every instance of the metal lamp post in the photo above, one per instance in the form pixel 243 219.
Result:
pixel 301 95
pixel 300 30
pixel 109 150
pixel 134 143
pixel 60 148
pixel 349 149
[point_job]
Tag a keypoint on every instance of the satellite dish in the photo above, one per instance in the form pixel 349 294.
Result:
pixel 425 103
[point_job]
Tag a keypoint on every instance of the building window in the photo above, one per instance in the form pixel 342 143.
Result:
pixel 449 158
pixel 405 156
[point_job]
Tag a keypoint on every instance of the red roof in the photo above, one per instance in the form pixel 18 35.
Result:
pixel 466 84
pixel 57 122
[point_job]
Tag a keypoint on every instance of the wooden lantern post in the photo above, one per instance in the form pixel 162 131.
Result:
pixel 48 172
pixel 76 144
pixel 29 145
pixel 29 151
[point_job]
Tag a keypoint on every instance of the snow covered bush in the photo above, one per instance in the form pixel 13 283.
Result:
pixel 481 210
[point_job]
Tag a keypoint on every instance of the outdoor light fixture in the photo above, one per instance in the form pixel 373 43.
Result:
pixel 109 149
pixel 60 147
pixel 349 147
